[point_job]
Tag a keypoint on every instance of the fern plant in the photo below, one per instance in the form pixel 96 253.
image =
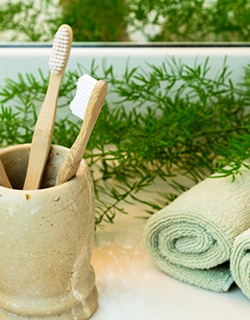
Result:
pixel 169 122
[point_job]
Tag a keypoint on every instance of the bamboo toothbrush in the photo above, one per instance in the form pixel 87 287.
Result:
pixel 41 141
pixel 4 180
pixel 87 104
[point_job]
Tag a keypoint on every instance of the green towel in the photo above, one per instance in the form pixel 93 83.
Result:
pixel 240 262
pixel 191 239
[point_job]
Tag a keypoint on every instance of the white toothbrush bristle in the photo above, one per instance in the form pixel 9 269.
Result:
pixel 85 85
pixel 59 50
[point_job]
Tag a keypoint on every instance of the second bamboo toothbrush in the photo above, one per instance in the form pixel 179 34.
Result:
pixel 87 105
pixel 4 180
pixel 41 141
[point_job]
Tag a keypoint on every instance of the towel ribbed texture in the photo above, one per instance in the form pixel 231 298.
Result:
pixel 240 262
pixel 191 239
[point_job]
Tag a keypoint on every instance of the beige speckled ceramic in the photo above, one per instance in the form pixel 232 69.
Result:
pixel 46 239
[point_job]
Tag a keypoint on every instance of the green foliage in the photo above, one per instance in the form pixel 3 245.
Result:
pixel 193 20
pixel 25 22
pixel 168 122
pixel 108 20
pixel 102 20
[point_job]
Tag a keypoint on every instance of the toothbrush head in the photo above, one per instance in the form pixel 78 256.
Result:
pixel 61 49
pixel 85 86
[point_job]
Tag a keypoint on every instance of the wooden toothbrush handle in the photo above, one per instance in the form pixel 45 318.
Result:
pixel 71 161
pixel 42 137
pixel 4 180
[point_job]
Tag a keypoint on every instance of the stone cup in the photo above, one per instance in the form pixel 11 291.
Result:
pixel 46 239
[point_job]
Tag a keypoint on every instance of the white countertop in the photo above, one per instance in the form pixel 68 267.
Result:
pixel 131 287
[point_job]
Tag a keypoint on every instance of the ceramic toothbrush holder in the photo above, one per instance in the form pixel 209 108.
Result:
pixel 46 239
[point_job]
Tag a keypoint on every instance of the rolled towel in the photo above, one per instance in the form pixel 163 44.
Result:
pixel 191 239
pixel 240 262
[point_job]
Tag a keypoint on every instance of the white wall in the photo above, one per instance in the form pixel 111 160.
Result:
pixel 14 60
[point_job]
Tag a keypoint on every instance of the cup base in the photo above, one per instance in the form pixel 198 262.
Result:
pixel 81 311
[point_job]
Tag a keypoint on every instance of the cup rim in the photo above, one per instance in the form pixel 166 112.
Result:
pixel 81 171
